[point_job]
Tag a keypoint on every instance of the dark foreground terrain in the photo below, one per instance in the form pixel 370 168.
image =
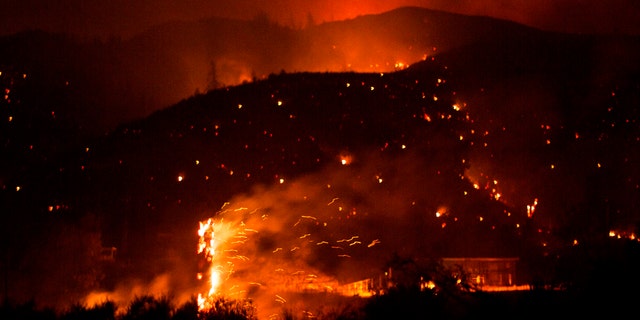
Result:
pixel 398 304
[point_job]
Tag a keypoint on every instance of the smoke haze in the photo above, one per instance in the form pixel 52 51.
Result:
pixel 127 18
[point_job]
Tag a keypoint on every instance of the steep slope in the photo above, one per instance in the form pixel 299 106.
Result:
pixel 377 156
pixel 560 113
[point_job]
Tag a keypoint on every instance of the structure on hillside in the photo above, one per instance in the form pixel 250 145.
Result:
pixel 486 272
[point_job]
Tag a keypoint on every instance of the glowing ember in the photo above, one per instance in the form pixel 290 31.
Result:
pixel 531 208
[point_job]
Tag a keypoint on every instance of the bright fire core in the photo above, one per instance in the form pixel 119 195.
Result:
pixel 207 247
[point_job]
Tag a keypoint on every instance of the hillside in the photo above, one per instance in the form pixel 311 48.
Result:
pixel 501 141
pixel 119 80
pixel 149 183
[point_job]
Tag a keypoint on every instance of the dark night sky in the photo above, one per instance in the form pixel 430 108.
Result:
pixel 178 165
pixel 126 17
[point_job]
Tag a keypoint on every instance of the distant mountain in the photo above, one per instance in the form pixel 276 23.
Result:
pixel 120 80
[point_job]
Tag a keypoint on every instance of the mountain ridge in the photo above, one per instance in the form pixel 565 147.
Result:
pixel 160 67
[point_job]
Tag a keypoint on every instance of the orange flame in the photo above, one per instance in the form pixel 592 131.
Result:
pixel 207 246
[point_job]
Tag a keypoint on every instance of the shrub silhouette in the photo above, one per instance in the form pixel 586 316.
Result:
pixel 226 309
pixel 187 311
pixel 141 308
pixel 103 311
pixel 149 307
pixel 25 311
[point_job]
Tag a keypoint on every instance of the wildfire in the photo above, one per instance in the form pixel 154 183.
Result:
pixel 207 245
pixel 258 254
pixel 531 208
pixel 218 245
pixel 345 159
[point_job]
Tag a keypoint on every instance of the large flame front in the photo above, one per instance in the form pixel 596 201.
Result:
pixel 211 236
pixel 269 258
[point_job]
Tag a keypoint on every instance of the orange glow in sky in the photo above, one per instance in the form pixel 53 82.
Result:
pixel 126 18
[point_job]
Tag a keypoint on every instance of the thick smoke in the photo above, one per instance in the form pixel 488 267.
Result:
pixel 322 231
